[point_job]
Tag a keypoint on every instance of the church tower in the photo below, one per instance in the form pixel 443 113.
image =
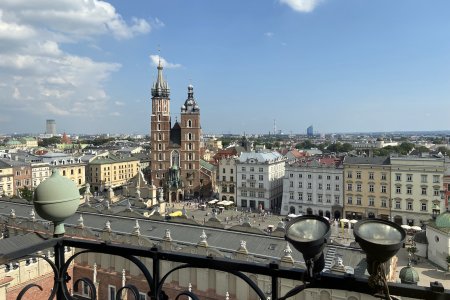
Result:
pixel 160 125
pixel 190 144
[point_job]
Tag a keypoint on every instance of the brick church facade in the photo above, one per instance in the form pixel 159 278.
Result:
pixel 175 149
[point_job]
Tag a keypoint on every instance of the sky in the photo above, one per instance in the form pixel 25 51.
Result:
pixel 339 65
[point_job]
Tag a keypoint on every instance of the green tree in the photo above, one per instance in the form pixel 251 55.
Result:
pixel 346 147
pixel 26 193
pixel 50 141
pixel 405 148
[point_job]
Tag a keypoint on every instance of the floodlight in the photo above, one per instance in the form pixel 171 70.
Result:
pixel 308 234
pixel 380 239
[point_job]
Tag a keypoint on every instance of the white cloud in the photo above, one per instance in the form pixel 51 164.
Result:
pixel 268 34
pixel 119 103
pixel 302 5
pixel 155 61
pixel 37 75
pixel 115 114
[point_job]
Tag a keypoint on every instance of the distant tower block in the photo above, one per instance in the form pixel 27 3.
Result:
pixel 310 131
pixel 50 127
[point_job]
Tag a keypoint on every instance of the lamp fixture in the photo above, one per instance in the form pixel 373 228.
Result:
pixel 308 234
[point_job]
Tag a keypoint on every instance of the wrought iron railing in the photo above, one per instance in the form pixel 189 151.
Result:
pixel 156 279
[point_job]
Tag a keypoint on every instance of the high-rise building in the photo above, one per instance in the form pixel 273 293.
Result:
pixel 175 154
pixel 50 127
pixel 310 131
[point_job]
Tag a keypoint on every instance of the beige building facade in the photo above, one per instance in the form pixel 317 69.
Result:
pixel 75 172
pixel 416 185
pixel 367 187
pixel 6 180
pixel 111 171
pixel 227 179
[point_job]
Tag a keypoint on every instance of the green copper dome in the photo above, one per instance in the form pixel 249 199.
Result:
pixel 409 275
pixel 56 199
pixel 443 220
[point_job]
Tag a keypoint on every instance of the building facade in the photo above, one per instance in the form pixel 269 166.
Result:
pixel 21 175
pixel 260 180
pixel 313 187
pixel 111 172
pixel 75 172
pixel 175 152
pixel 416 185
pixel 367 191
pixel 227 179
pixel 6 180
pixel 39 172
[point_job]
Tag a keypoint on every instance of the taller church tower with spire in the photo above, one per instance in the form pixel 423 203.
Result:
pixel 175 150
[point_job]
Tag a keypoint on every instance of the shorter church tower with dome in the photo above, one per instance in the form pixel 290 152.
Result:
pixel 175 149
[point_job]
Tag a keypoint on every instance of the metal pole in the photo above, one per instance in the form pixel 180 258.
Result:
pixel 59 262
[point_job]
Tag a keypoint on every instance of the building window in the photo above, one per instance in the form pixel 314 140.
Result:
pixel 409 177
pixel 423 178
pixel 261 185
pixel 371 201
pixel 424 191
pixel 371 175
pixel 243 169
pixel 252 184
pixel 435 178
pixel 398 190
pixel 328 177
pixel 328 187
pixel 309 176
pixel 349 187
pixel 358 200
pixel 398 204
pixel 320 186
pixel 436 192
pixel 252 169
pixel 291 195
pixel 358 175
pixel 358 187
pixel 336 199
pixel 349 174
pixel 349 200
pixel 244 177
pixel 262 170
pixel 244 193
pixel 409 190
pixel 320 176
pixel 244 203
pixel 252 177
pixel 243 184
pixel 337 187
pixel 319 198
pixel 189 123
pixel 409 205
pixel 260 194
pixel 142 296
pixel 300 176
pixel 336 178
pixel 300 185
pixel 309 185
pixel 111 292
pixel 383 203
pixel 261 177
pixel 398 177
pixel 383 176
pixel 309 197
pixel 300 196
pixel 423 206
pixel 383 189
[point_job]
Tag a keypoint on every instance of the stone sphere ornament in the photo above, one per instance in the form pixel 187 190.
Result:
pixel 56 199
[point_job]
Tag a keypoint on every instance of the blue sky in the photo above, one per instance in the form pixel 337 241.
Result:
pixel 340 65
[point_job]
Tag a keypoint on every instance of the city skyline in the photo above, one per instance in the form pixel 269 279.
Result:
pixel 340 66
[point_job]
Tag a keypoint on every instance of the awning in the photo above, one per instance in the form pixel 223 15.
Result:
pixel 213 201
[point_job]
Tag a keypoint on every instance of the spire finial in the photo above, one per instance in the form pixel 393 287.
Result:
pixel 159 56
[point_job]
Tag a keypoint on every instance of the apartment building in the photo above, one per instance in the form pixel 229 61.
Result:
pixel 111 171
pixel 260 180
pixel 39 172
pixel 21 174
pixel 75 172
pixel 367 189
pixel 227 178
pixel 416 188
pixel 6 180
pixel 313 187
